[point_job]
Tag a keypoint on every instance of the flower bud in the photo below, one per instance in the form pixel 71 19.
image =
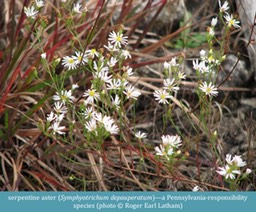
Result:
pixel 248 171
pixel 43 56
pixel 214 22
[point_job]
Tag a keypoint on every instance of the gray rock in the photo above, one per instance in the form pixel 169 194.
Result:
pixel 246 10
pixel 234 72
pixel 172 11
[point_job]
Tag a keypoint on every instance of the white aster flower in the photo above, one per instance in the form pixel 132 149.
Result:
pixel 229 159
pixel 131 92
pixel 112 128
pixel 88 113
pixel 224 7
pixel 170 64
pixel 30 12
pixel 196 188
pixel 208 89
pixel 201 67
pixel 160 150
pixel 56 128
pixel 50 117
pixel 79 57
pixel 128 71
pixel 168 146
pixel 64 96
pixel 39 3
pixel 196 64
pixel 231 21
pixel 116 101
pixel 125 54
pixel 171 85
pixel 112 48
pixel 124 82
pixel 173 141
pixel 228 172
pixel 118 39
pixel 69 62
pixel 77 7
pixel 232 167
pixel 74 86
pixel 108 122
pixel 103 75
pixel 99 67
pixel 112 62
pixel 140 135
pixel 60 108
pixel 59 117
pixel 237 160
pixel 114 84
pixel 91 125
pixel 100 118
pixel 91 53
pixel 162 96
pixel 173 62
pixel 92 95
pixel 181 75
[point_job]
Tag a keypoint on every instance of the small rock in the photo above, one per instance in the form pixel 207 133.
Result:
pixel 234 72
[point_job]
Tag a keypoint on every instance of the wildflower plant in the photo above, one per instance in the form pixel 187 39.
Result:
pixel 206 68
pixel 107 86
pixel 169 148
pixel 232 171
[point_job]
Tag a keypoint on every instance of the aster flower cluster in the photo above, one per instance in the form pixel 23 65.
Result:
pixel 171 82
pixel 99 123
pixel 169 147
pixel 109 87
pixel 103 70
pixel 57 115
pixel 32 11
pixel 205 70
pixel 233 167
pixel 207 65
pixel 77 8
pixel 230 21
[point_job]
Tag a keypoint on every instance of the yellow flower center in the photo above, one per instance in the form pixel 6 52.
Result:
pixel 63 97
pixel 163 96
pixel 231 22
pixel 92 93
pixel 119 38
pixel 71 60
pixel 211 59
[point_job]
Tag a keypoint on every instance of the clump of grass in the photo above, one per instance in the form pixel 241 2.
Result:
pixel 71 104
